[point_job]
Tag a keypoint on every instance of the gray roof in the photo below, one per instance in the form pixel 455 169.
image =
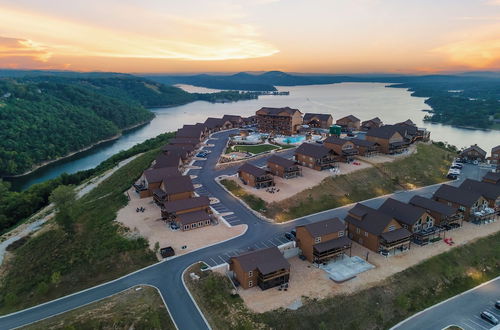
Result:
pixel 320 116
pixel 453 194
pixel 178 184
pixel 313 150
pixel 163 160
pixel 252 170
pixel 341 242
pixel 190 131
pixel 383 132
pixel 192 217
pixel 350 117
pixel 283 162
pixel 324 227
pixel 336 140
pixel 153 175
pixel 474 148
pixel 277 111
pixel 375 120
pixel 396 235
pixel 405 213
pixel 186 204
pixel 178 147
pixel 432 205
pixel 184 140
pixel 492 176
pixel 266 260
pixel 495 149
pixel 212 123
pixel 488 190
pixel 233 118
pixel 364 143
pixel 373 221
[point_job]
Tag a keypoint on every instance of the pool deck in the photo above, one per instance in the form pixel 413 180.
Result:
pixel 346 268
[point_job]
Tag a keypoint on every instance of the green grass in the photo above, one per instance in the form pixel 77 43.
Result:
pixel 54 263
pixel 131 309
pixel 253 201
pixel 378 307
pixel 254 149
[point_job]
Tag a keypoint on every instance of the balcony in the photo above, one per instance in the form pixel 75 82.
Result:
pixel 484 215
pixel 349 152
pixel 271 280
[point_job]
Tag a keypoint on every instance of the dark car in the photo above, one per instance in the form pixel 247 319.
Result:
pixel 489 317
pixel 289 237
pixel 293 232
pixel 497 304
pixel 167 252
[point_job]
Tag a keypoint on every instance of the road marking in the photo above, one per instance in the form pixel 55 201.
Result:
pixel 463 324
pixel 479 325
pixel 221 259
pixel 215 262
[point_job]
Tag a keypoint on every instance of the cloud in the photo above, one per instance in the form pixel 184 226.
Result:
pixel 15 52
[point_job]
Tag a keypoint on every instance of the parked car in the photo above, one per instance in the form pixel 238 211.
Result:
pixel 289 236
pixel 293 232
pixel 452 176
pixel 497 304
pixel 454 171
pixel 319 141
pixel 456 166
pixel 489 317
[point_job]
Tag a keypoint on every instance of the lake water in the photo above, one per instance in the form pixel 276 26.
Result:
pixel 364 100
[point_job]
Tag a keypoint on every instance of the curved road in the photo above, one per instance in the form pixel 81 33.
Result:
pixel 167 275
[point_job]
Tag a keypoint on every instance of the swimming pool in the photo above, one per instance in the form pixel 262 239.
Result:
pixel 294 139
pixel 252 138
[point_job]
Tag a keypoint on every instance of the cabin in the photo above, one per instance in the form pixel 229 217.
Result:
pixel 346 149
pixel 377 231
pixel 349 123
pixel 323 240
pixel 192 220
pixel 473 153
pixel 495 156
pixel 444 215
pixel 408 132
pixel 251 120
pixel 284 121
pixel 192 131
pixel 492 177
pixel 172 160
pixel 282 167
pixel 255 176
pixel 491 192
pixel 152 178
pixel 174 188
pixel 470 203
pixel 315 156
pixel 371 123
pixel 214 124
pixel 266 268
pixel 388 138
pixel 366 148
pixel 318 120
pixel 235 120
pixel 182 150
pixel 181 141
pixel 171 209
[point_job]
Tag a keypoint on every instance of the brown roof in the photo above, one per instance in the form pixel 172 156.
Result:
pixel 336 140
pixel 184 140
pixel 432 205
pixel 320 116
pixel 163 160
pixel 181 147
pixel 314 150
pixel 283 162
pixel 364 143
pixel 233 118
pixel 350 118
pixel 266 260
pixel 192 217
pixel 212 123
pixel 405 213
pixel 375 120
pixel 191 131
pixel 383 132
pixel 460 196
pixel 153 175
pixel 495 149
pixel 178 184
pixel 488 190
pixel 252 170
pixel 372 221
pixel 341 242
pixel 395 235
pixel 324 227
pixel 186 204
pixel 276 111
pixel 492 176
pixel 474 148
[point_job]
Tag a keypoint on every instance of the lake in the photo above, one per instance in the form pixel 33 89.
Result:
pixel 364 100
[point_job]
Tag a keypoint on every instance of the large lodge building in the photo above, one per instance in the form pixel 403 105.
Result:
pixel 284 121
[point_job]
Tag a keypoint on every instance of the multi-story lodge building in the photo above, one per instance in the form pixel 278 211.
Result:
pixel 266 268
pixel 282 167
pixel 315 156
pixel 376 230
pixel 255 176
pixel 349 123
pixel 491 192
pixel 174 188
pixel 152 178
pixel 409 216
pixel 346 149
pixel 318 120
pixel 389 138
pixel 442 214
pixel 473 153
pixel 323 240
pixel 285 121
pixel 469 203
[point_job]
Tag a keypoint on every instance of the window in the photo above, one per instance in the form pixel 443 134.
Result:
pixel 193 225
pixel 366 234
pixel 250 273
pixel 317 239
pixel 186 227
pixel 461 208
pixel 392 228
pixel 207 222
pixel 200 224
pixel 250 284
pixel 341 233
pixel 358 231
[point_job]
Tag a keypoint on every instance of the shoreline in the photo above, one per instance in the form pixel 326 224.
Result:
pixel 112 138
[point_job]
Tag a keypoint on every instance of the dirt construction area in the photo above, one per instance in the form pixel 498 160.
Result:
pixel 308 281
pixel 149 225
pixel 285 188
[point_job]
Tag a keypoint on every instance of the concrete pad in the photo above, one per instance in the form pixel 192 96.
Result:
pixel 342 270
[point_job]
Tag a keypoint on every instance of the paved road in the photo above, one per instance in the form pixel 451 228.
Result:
pixel 462 310
pixel 167 275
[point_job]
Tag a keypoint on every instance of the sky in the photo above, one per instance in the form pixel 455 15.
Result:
pixel 324 36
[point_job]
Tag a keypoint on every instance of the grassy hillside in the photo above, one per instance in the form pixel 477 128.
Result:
pixel 378 307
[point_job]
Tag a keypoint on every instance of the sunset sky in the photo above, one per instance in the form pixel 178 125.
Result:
pixel 331 36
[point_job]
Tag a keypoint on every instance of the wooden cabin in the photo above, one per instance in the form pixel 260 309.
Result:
pixel 284 121
pixel 371 123
pixel 315 156
pixel 349 123
pixel 491 192
pixel 346 149
pixel 469 203
pixel 473 153
pixel 174 188
pixel 492 177
pixel 266 268
pixel 366 148
pixel 152 178
pixel 318 120
pixel 495 156
pixel 323 240
pixel 235 120
pixel 255 176
pixel 171 160
pixel 182 141
pixel 388 138
pixel 171 209
pixel 198 132
pixel 282 167
pixel 442 214
pixel 376 230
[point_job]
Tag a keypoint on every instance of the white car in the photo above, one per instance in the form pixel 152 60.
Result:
pixel 454 171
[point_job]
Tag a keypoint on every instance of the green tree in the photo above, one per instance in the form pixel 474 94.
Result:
pixel 63 198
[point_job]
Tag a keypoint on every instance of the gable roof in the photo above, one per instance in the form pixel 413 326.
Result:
pixel 186 204
pixel 336 140
pixel 336 243
pixel 212 123
pixel 232 118
pixel 252 170
pixel 283 162
pixel 172 160
pixel 350 118
pixel 396 235
pixel 276 111
pixel 177 184
pixel 372 221
pixel 495 149
pixel 177 147
pixel 313 150
pixel 457 195
pixel 405 213
pixel 376 120
pixel 265 260
pixel 476 148
pixel 191 131
pixel 324 227
pixel 383 132
pixel 364 143
pixel 156 175
pixel 192 217
pixel 492 176
pixel 185 140
pixel 488 190
pixel 432 205
pixel 320 116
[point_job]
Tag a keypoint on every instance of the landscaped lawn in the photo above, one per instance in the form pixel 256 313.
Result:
pixel 254 149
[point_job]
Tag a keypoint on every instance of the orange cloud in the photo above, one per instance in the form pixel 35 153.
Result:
pixel 16 52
